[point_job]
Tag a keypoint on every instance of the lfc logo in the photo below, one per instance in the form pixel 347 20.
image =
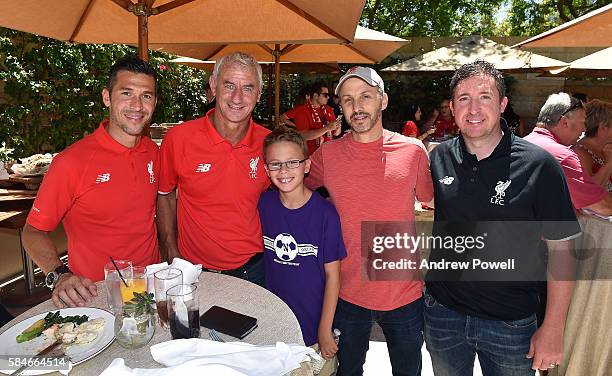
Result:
pixel 253 165
pixel 500 192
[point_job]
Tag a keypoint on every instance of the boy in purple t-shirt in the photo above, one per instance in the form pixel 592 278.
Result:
pixel 302 239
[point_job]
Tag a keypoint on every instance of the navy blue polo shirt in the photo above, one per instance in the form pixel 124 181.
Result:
pixel 517 196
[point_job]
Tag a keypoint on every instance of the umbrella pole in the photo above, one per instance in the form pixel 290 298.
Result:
pixel 277 53
pixel 142 10
pixel 270 92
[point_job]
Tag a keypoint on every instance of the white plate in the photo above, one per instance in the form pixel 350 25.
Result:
pixel 77 353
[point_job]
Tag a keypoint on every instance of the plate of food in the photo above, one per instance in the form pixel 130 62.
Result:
pixel 83 333
pixel 35 165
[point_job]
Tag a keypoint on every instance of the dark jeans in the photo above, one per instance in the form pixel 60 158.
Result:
pixel 252 271
pixel 403 330
pixel 453 340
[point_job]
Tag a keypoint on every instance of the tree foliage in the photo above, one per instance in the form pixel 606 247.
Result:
pixel 464 17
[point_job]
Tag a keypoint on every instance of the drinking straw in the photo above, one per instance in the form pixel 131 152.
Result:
pixel 116 268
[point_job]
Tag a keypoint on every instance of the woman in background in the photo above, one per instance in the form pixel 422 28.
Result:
pixel 595 149
pixel 410 128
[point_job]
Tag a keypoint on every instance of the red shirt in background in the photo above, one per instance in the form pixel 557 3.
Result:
pixel 583 190
pixel 307 117
pixel 445 127
pixel 410 129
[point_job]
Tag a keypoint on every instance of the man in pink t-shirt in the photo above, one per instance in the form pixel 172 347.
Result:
pixel 560 123
pixel 373 176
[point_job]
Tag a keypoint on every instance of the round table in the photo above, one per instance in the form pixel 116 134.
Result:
pixel 276 322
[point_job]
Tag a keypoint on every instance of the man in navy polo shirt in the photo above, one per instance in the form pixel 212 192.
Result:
pixel 483 177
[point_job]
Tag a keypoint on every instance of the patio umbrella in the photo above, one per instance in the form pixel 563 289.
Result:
pixel 184 21
pixel 594 29
pixel 598 64
pixel 369 47
pixel 505 58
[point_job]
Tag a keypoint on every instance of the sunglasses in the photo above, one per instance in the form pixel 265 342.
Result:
pixel 326 95
pixel 573 107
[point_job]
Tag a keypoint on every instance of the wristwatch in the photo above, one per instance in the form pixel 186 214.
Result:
pixel 53 276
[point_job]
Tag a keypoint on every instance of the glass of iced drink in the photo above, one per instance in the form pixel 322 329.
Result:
pixel 183 311
pixel 164 280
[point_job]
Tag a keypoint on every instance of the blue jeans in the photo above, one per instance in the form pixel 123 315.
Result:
pixel 403 330
pixel 254 272
pixel 453 339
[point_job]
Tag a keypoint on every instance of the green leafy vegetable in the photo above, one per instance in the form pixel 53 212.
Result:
pixel 48 321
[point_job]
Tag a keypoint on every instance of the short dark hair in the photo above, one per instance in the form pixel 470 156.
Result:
pixel 476 68
pixel 285 134
pixel 132 64
pixel 316 87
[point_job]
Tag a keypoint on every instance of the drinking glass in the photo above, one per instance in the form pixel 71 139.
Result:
pixel 164 280
pixel 113 282
pixel 134 328
pixel 136 280
pixel 183 311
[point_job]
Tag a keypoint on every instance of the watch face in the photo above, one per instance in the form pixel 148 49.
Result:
pixel 50 279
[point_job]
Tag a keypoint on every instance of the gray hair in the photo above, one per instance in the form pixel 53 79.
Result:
pixel 556 106
pixel 243 59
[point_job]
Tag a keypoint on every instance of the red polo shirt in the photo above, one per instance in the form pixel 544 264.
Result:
pixel 583 190
pixel 105 194
pixel 218 189
pixel 304 121
pixel 445 127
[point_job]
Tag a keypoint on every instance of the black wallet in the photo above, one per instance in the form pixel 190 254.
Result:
pixel 228 322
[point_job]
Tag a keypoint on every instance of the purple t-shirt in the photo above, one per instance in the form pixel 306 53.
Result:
pixel 298 243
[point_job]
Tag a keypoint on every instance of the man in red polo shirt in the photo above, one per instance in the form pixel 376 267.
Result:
pixel 314 119
pixel 103 188
pixel 215 164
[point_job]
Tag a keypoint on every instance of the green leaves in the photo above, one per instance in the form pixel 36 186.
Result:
pixel 141 303
pixel 50 91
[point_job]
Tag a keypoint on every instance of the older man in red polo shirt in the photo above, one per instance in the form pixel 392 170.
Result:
pixel 215 164
pixel 103 188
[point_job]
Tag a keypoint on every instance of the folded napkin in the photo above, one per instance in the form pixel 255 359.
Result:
pixel 242 357
pixel 191 272
pixel 188 356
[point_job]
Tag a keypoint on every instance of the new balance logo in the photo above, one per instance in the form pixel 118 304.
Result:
pixel 102 178
pixel 447 180
pixel 203 167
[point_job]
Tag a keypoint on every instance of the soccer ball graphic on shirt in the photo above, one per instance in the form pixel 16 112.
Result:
pixel 285 247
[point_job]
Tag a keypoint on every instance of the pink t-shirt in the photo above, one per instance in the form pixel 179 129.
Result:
pixel 375 181
pixel 583 190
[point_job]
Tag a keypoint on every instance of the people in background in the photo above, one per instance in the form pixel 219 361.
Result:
pixel 411 128
pixel 560 123
pixel 595 149
pixel 314 119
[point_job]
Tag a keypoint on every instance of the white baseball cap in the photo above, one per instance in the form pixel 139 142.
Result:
pixel 369 75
